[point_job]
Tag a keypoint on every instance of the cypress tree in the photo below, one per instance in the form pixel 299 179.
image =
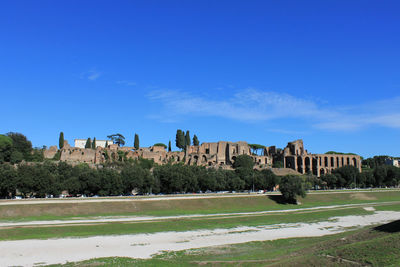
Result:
pixel 61 140
pixel 136 144
pixel 169 146
pixel 88 143
pixel 94 143
pixel 195 141
pixel 187 139
pixel 180 139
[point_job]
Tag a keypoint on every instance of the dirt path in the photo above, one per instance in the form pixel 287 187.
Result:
pixel 169 197
pixel 31 252
pixel 158 218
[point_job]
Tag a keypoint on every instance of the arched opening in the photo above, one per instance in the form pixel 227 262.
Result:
pixel 290 162
pixel 203 159
pixel 209 163
pixel 196 159
pixel 337 162
pixel 326 162
pixel 299 165
pixel 342 161
pixel 189 161
pixel 233 159
pixel 322 172
pixel 307 162
pixel 354 162
pixel 178 158
pixel 332 162
pixel 348 161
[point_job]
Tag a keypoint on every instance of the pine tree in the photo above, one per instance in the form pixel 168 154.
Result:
pixel 187 139
pixel 88 143
pixel 169 146
pixel 136 144
pixel 94 143
pixel 61 140
pixel 195 141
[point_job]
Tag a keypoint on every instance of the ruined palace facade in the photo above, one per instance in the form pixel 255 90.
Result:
pixel 218 155
pixel 297 158
pixel 223 154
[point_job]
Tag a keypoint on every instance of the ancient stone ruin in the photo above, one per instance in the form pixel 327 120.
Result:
pixel 297 158
pixel 217 155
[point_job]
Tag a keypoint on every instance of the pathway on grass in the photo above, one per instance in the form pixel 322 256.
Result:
pixel 112 219
pixel 7 202
pixel 52 251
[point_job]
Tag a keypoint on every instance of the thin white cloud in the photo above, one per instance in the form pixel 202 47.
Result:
pixel 127 83
pixel 253 105
pixel 93 75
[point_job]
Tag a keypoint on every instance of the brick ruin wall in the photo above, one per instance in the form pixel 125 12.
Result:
pixel 218 155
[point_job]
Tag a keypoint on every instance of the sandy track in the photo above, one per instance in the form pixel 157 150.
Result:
pixel 158 218
pixel 160 198
pixel 31 252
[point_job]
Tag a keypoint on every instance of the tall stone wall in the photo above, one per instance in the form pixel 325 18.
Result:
pixel 222 154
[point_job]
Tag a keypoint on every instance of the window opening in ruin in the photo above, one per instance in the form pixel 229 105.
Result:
pixel 207 151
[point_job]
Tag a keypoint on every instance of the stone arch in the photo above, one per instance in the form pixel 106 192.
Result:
pixel 204 159
pixel 196 159
pixel 332 162
pixel 354 162
pixel 326 161
pixel 348 161
pixel 342 162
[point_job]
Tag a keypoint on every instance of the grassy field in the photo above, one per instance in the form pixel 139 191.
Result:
pixel 50 211
pixel 354 248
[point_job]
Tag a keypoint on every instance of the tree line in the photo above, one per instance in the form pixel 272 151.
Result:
pixel 142 176
pixel 350 177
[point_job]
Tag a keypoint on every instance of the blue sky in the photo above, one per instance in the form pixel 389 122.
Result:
pixel 265 72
